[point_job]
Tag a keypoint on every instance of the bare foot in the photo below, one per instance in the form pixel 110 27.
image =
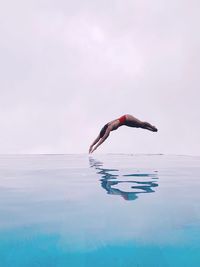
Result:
pixel 154 129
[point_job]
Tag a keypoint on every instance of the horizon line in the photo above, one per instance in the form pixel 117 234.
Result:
pixel 118 153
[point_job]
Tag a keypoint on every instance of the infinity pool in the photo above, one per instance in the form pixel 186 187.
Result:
pixel 113 210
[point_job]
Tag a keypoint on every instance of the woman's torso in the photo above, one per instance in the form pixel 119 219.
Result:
pixel 115 124
pixel 126 119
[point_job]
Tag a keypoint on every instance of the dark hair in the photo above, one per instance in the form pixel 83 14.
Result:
pixel 103 130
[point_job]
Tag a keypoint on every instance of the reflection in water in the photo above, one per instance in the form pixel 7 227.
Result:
pixel 109 181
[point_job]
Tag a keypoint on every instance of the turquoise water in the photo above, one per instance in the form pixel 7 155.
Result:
pixel 102 210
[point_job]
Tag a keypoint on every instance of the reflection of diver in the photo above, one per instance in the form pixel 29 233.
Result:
pixel 109 180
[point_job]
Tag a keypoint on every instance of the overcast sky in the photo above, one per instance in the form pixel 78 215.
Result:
pixel 69 67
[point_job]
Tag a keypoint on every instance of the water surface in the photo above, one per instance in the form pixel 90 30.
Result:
pixel 106 210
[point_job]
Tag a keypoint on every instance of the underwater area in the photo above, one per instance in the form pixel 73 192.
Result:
pixel 115 210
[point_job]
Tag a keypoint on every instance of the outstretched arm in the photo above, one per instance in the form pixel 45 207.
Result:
pixel 95 141
pixel 102 140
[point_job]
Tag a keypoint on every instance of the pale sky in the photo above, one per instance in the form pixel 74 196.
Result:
pixel 69 67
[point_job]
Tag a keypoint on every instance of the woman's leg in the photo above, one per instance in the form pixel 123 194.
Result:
pixel 134 122
pixel 148 126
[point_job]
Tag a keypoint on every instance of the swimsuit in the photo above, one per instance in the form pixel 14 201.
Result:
pixel 122 119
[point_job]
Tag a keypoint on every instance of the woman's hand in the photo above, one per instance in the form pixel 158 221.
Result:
pixel 90 149
pixel 93 149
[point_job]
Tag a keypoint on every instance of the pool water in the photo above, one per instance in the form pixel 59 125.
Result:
pixel 113 210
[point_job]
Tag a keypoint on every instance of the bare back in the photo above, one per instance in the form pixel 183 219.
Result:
pixel 114 125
